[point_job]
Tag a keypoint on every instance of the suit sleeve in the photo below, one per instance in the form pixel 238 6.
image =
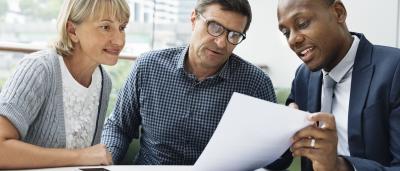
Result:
pixel 292 95
pixel 394 131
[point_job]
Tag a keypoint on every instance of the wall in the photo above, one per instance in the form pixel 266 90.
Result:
pixel 266 45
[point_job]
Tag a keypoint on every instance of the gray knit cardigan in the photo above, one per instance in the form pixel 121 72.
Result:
pixel 32 99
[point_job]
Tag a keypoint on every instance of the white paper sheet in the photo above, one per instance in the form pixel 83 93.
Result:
pixel 252 133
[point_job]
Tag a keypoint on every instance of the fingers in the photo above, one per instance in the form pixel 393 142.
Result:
pixel 311 131
pixel 312 138
pixel 310 153
pixel 324 130
pixel 311 148
pixel 107 158
pixel 309 143
pixel 95 155
pixel 307 148
pixel 317 142
pixel 293 105
pixel 326 120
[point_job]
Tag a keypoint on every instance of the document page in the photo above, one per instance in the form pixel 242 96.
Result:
pixel 252 133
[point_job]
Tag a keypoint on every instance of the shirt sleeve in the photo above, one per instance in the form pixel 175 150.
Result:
pixel 123 123
pixel 23 94
pixel 264 89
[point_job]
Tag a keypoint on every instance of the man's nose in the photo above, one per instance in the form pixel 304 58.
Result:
pixel 221 41
pixel 295 39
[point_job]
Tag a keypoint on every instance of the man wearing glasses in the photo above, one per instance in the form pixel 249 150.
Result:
pixel 173 99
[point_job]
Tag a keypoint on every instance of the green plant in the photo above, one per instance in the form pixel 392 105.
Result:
pixel 118 74
pixel 281 94
pixel 295 166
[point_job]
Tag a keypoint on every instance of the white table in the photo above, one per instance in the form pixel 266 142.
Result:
pixel 124 168
pixel 120 168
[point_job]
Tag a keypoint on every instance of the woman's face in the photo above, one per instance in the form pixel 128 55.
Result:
pixel 99 39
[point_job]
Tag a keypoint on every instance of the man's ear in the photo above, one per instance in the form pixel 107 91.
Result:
pixel 340 11
pixel 193 19
pixel 71 31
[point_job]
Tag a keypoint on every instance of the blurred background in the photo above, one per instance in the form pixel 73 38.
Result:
pixel 28 25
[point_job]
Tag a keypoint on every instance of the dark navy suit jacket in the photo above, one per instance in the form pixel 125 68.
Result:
pixel 374 109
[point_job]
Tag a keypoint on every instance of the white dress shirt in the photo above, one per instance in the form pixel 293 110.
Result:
pixel 342 74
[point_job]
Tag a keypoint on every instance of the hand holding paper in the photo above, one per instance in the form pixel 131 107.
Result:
pixel 252 133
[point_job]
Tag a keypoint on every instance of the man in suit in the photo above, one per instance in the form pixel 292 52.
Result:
pixel 359 128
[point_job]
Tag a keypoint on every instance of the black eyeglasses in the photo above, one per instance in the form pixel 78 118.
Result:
pixel 215 29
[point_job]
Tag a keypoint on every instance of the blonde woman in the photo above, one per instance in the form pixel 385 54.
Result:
pixel 53 107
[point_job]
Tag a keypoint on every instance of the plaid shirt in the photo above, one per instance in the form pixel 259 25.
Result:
pixel 175 113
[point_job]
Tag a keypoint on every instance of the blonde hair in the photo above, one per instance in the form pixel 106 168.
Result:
pixel 78 11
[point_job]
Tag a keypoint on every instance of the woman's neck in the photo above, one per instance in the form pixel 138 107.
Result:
pixel 81 68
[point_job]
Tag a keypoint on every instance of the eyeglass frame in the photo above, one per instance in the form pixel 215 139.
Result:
pixel 208 22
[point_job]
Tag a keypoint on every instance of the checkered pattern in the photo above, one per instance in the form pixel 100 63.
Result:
pixel 176 114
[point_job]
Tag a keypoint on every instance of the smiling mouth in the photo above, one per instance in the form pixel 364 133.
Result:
pixel 306 52
pixel 112 51
pixel 215 52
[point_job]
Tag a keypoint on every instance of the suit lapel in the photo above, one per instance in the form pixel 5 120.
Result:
pixel 313 105
pixel 361 80
pixel 314 92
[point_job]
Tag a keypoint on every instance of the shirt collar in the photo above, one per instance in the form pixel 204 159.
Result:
pixel 338 73
pixel 181 59
pixel 223 73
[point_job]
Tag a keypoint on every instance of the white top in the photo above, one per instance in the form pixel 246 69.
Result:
pixel 342 74
pixel 81 106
